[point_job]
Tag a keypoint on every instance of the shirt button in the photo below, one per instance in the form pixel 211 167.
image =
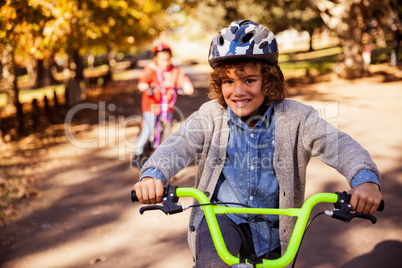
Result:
pixel 252 167
pixel 251 198
pixel 252 135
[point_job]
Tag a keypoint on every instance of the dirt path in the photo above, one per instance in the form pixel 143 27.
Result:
pixel 83 217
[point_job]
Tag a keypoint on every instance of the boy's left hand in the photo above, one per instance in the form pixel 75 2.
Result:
pixel 366 197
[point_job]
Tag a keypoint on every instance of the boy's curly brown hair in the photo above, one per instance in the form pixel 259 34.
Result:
pixel 273 85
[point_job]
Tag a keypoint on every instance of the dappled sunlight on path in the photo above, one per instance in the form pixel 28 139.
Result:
pixel 82 214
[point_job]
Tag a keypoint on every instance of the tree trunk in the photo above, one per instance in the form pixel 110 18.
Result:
pixel 40 80
pixel 353 64
pixel 111 63
pixel 43 75
pixel 311 32
pixel 73 88
pixel 347 19
pixel 10 85
pixel 79 66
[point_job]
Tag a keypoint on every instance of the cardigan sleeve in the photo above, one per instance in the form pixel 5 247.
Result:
pixel 335 148
pixel 182 146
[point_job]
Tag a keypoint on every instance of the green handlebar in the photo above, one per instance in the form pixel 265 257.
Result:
pixel 302 215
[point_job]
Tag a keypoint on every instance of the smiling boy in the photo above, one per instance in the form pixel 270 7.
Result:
pixel 253 147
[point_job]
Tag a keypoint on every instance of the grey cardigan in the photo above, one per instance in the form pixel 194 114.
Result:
pixel 299 134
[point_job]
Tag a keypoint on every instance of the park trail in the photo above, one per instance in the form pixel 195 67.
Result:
pixel 82 215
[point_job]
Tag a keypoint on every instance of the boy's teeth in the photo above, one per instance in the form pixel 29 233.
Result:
pixel 241 102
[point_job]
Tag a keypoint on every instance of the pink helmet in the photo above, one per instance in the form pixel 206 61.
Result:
pixel 161 47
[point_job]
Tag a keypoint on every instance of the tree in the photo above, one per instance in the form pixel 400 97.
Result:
pixel 349 19
pixel 119 25
pixel 42 28
pixel 21 23
pixel 278 15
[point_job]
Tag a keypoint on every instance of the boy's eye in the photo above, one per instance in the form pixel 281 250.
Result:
pixel 249 81
pixel 227 82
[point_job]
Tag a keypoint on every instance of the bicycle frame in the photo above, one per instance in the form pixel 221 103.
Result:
pixel 342 212
pixel 163 116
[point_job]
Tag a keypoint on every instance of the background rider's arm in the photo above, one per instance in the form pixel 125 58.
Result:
pixel 142 86
pixel 147 77
pixel 188 88
pixel 185 83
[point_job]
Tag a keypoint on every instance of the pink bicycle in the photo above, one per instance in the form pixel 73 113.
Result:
pixel 164 122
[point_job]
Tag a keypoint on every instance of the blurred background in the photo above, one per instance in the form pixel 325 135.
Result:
pixel 56 55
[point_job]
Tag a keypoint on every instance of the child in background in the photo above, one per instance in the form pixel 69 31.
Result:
pixel 253 147
pixel 159 73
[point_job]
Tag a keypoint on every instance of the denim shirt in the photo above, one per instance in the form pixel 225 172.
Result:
pixel 248 176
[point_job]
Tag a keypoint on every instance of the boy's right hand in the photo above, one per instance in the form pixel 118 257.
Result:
pixel 149 190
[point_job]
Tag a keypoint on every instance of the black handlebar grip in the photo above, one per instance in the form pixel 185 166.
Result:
pixel 381 206
pixel 134 197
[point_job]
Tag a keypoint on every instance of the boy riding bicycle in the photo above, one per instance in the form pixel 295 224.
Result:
pixel 159 73
pixel 253 147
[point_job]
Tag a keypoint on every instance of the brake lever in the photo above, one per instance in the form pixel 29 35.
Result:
pixel 372 218
pixel 169 205
pixel 150 90
pixel 343 209
pixel 165 208
pixel 180 91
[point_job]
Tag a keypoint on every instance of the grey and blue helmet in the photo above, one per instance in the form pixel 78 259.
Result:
pixel 243 39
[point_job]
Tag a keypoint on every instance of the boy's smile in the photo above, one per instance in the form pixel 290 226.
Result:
pixel 243 94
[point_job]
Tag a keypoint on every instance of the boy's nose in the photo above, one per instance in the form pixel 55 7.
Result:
pixel 238 89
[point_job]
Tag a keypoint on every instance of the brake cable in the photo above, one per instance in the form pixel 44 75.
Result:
pixel 304 233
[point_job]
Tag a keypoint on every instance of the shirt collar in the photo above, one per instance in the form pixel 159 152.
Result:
pixel 264 120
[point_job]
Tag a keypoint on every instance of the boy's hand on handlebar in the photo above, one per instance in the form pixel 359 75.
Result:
pixel 365 198
pixel 149 190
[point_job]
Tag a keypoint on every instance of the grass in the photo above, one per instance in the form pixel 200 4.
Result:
pixel 322 61
pixel 317 62
pixel 26 96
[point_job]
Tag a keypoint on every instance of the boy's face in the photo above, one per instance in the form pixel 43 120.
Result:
pixel 243 94
pixel 162 59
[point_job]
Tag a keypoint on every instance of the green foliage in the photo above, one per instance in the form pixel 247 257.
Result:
pixel 278 15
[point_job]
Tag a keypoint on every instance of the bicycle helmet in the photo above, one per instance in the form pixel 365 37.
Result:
pixel 243 39
pixel 161 47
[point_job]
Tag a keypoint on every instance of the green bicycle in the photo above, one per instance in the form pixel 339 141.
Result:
pixel 342 211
